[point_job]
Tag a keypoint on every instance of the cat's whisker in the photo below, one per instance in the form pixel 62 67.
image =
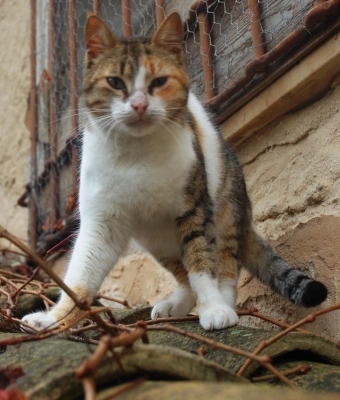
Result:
pixel 84 111
pixel 67 135
pixel 165 119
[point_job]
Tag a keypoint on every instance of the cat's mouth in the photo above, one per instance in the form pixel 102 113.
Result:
pixel 139 122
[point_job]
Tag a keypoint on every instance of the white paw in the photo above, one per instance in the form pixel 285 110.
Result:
pixel 39 320
pixel 217 317
pixel 165 309
pixel 179 304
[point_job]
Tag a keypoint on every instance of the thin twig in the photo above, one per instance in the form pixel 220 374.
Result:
pixel 123 302
pixel 310 318
pixel 86 372
pixel 210 342
pixel 126 387
pixel 9 282
pixel 4 272
pixel 254 313
pixel 42 296
pixel 265 343
pixel 80 303
pixel 27 282
pixel 169 319
pixel 246 364
pixel 4 251
pixel 301 369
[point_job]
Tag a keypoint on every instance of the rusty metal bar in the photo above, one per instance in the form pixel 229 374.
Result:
pixel 127 28
pixel 33 129
pixel 207 61
pixel 195 8
pixel 159 11
pixel 315 16
pixel 74 89
pixel 53 133
pixel 256 29
pixel 96 7
pixel 62 158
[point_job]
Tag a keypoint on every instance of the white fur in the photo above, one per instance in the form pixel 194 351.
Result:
pixel 210 145
pixel 140 78
pixel 213 311
pixel 179 304
pixel 227 290
pixel 131 184
pixel 39 320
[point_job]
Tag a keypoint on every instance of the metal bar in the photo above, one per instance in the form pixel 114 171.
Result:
pixel 320 13
pixel 159 11
pixel 230 106
pixel 127 29
pixel 316 15
pixel 33 129
pixel 195 8
pixel 208 71
pixel 74 89
pixel 96 7
pixel 256 28
pixel 53 133
pixel 324 10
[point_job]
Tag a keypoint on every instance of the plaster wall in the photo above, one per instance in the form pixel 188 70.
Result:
pixel 292 170
pixel 14 136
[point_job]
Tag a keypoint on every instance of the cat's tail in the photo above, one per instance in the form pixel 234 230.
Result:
pixel 263 262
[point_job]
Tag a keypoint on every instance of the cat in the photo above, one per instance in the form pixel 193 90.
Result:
pixel 154 168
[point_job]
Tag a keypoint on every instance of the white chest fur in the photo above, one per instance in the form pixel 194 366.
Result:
pixel 140 178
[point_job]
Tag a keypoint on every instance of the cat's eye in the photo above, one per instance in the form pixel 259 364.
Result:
pixel 117 83
pixel 158 82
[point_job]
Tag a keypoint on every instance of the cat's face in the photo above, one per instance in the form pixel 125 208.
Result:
pixel 135 86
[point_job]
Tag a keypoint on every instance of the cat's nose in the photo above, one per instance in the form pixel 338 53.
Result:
pixel 140 107
pixel 140 103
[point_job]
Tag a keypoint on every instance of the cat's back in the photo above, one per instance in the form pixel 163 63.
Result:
pixel 210 144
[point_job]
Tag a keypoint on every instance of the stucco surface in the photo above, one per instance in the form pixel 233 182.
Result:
pixel 292 170
pixel 14 136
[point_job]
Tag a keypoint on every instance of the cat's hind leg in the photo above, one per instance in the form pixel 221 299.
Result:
pixel 182 301
pixel 227 275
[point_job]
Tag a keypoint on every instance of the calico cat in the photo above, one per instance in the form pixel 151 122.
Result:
pixel 155 169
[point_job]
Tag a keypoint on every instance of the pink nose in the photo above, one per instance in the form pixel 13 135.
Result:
pixel 140 103
pixel 140 106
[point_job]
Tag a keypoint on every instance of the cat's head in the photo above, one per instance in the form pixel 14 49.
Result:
pixel 137 86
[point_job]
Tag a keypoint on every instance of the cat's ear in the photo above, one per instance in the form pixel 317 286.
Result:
pixel 170 35
pixel 98 36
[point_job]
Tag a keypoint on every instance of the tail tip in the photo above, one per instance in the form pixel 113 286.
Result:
pixel 314 294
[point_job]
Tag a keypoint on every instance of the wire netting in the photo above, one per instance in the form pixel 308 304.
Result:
pixel 226 26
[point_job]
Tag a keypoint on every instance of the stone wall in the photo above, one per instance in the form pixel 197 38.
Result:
pixel 14 136
pixel 292 169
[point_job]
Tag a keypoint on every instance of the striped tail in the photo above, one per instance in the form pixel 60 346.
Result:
pixel 264 263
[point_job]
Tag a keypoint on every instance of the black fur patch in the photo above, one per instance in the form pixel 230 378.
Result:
pixel 314 294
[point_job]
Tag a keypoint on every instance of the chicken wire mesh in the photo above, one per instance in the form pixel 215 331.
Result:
pixel 221 39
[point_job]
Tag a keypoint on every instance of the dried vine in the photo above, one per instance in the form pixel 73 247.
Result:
pixel 13 286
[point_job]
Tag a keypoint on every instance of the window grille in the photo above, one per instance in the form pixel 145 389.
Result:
pixel 233 49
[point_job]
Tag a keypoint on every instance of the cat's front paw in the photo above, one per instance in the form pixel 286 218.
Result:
pixel 40 320
pixel 217 317
pixel 179 304
pixel 166 308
